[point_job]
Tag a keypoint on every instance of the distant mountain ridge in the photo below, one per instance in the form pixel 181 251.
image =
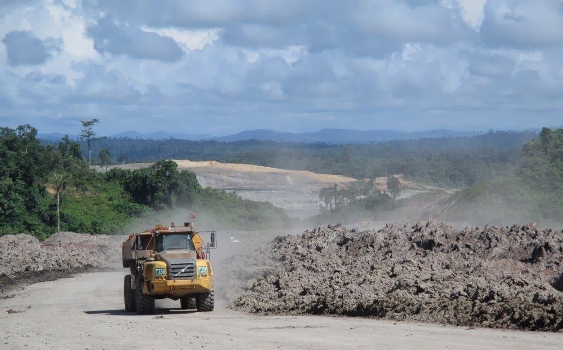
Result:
pixel 339 136
pixel 334 136
pixel 159 135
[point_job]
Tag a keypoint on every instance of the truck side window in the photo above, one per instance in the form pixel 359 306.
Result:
pixel 159 243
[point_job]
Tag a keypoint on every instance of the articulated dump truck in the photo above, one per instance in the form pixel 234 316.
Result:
pixel 168 262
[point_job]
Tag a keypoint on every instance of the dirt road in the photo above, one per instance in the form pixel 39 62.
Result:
pixel 86 312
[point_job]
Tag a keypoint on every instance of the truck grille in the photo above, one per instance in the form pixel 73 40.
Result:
pixel 181 270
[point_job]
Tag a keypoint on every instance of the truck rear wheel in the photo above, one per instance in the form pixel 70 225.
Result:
pixel 205 301
pixel 145 303
pixel 129 295
pixel 188 303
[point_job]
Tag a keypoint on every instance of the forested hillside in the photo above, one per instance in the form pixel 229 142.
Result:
pixel 44 189
pixel 48 186
pixel 533 192
pixel 542 173
pixel 453 162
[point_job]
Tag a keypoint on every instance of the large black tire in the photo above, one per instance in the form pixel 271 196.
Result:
pixel 205 301
pixel 145 303
pixel 129 295
pixel 188 303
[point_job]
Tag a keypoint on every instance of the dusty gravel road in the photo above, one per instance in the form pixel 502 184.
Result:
pixel 86 312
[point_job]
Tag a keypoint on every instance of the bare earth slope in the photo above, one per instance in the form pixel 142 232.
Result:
pixel 297 192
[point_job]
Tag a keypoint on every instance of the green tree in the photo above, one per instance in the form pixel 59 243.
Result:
pixel 23 176
pixel 68 169
pixel 188 188
pixel 542 171
pixel 394 187
pixel 61 178
pixel 105 157
pixel 122 159
pixel 70 149
pixel 88 134
pixel 160 186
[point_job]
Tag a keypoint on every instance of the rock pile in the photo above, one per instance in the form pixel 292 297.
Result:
pixel 65 253
pixel 500 277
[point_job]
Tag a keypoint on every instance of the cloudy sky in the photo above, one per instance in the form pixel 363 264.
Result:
pixel 222 66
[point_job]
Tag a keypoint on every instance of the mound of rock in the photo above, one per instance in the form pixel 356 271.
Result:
pixel 24 256
pixel 501 277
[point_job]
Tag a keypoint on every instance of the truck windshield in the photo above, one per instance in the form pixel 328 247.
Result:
pixel 174 241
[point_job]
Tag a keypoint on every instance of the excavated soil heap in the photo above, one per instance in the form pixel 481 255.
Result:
pixel 25 259
pixel 500 277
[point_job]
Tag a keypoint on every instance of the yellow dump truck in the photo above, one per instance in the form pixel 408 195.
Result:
pixel 168 262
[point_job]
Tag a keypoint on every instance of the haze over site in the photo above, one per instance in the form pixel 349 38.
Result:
pixel 222 66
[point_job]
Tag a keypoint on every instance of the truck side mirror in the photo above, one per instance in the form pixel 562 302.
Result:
pixel 213 243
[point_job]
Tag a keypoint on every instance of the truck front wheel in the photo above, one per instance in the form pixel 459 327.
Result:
pixel 129 295
pixel 205 301
pixel 145 303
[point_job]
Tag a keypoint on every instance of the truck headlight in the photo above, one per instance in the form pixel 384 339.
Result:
pixel 202 271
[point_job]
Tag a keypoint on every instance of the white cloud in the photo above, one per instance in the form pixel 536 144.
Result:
pixel 523 24
pixel 229 65
pixel 472 11
pixel 71 27
pixel 193 39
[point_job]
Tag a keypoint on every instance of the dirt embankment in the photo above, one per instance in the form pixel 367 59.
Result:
pixel 24 259
pixel 499 277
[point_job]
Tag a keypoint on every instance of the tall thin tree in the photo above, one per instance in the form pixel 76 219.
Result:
pixel 88 134
pixel 68 166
